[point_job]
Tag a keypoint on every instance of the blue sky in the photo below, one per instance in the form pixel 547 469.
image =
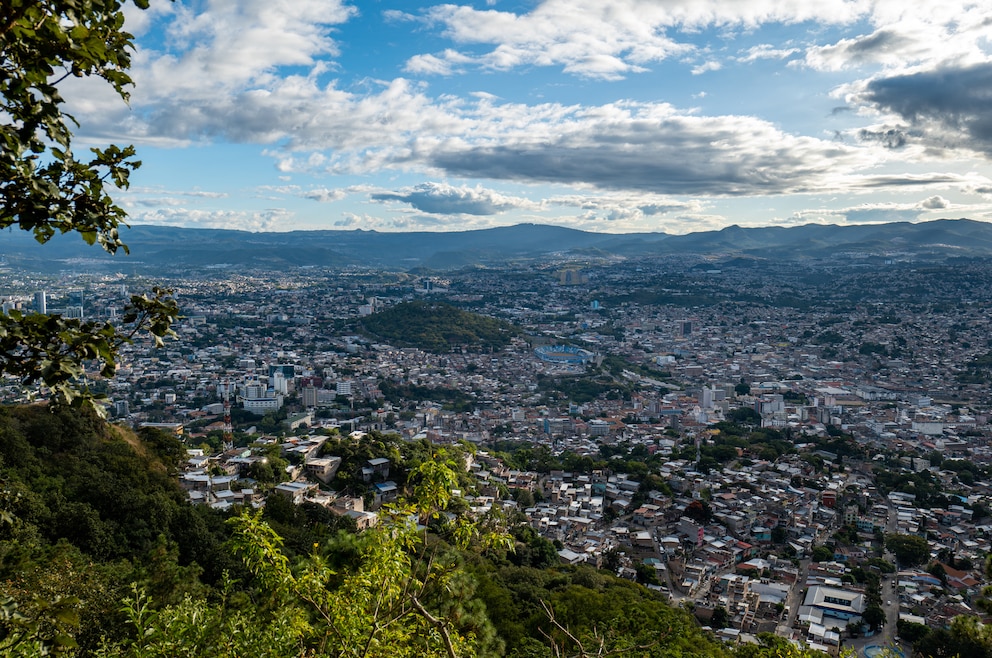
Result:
pixel 604 115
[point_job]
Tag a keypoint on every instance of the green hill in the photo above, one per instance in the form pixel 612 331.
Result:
pixel 438 327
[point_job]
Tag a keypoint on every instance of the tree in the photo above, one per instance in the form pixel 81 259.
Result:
pixel 822 554
pixel 937 571
pixel 910 550
pixel 720 617
pixel 874 616
pixel 46 189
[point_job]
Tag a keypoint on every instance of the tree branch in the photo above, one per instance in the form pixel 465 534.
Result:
pixel 437 623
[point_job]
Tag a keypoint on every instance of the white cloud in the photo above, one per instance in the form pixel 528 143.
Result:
pixel 446 63
pixel 766 51
pixel 272 219
pixel 445 199
pixel 706 67
pixel 609 39
pixel 202 194
pixel 867 213
pixel 650 148
pixel 908 34
pixel 935 202
pixel 323 195
pixel 263 72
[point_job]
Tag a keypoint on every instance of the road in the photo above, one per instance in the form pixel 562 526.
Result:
pixel 890 602
pixel 794 600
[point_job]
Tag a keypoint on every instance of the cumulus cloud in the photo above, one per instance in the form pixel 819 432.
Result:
pixel 948 106
pixel 626 206
pixel 201 194
pixel 209 58
pixel 444 199
pixel 921 33
pixel 367 222
pixel 609 39
pixel 868 213
pixel 204 78
pixel 323 195
pixel 705 67
pixel 935 202
pixel 882 46
pixel 446 63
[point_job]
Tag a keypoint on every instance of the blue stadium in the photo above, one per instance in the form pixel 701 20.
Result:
pixel 563 354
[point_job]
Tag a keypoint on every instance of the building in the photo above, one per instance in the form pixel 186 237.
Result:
pixel 835 602
pixel 288 370
pixel 323 468
pixel 566 354
pixel 295 491
pixel 41 302
pixel 122 409
pixel 309 396
pixel 262 405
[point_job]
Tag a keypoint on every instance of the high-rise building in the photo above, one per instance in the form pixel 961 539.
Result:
pixel 309 395
pixel 41 302
pixel 279 383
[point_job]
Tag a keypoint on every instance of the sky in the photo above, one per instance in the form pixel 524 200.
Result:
pixel 615 116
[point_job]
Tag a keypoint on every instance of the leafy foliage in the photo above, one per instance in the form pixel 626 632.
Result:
pixel 45 189
pixel 400 596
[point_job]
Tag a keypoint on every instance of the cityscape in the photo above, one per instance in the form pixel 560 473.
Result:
pixel 495 329
pixel 742 435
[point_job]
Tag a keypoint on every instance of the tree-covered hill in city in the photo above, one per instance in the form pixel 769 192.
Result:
pixel 437 327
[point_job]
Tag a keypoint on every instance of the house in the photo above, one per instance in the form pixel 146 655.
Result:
pixel 375 469
pixel 385 492
pixel 323 468
pixel 295 491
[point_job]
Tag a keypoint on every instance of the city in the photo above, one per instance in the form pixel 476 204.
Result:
pixel 751 438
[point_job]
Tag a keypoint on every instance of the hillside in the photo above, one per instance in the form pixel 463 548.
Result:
pixel 98 546
pixel 437 327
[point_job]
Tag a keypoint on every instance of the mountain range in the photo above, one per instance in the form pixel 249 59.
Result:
pixel 171 249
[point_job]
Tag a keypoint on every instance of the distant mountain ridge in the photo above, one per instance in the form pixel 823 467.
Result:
pixel 163 248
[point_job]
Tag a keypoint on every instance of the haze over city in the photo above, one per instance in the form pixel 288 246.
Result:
pixel 612 116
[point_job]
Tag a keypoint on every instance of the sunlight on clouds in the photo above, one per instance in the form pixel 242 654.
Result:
pixel 272 219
